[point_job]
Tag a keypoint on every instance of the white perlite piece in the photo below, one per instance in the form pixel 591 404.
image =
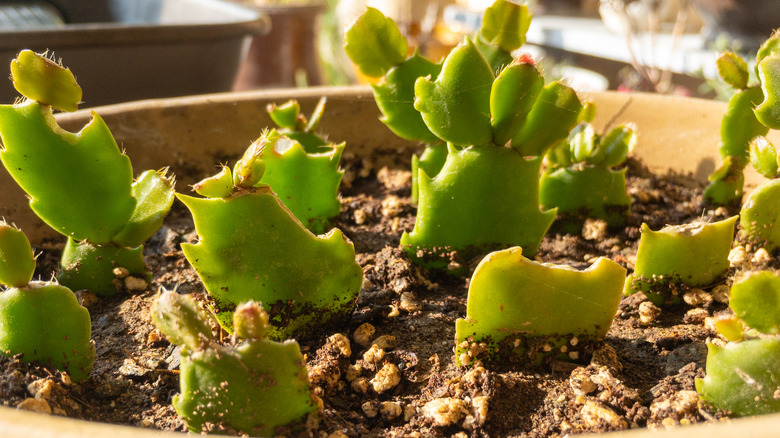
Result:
pixel 594 412
pixel 343 344
pixel 648 312
pixel 445 411
pixel 386 378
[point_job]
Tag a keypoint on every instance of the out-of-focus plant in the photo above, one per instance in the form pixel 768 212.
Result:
pixel 743 376
pixel 580 180
pixel 749 115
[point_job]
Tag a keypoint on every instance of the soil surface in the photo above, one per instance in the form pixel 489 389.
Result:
pixel 642 375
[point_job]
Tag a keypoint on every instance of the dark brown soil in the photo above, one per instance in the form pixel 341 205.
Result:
pixel 641 376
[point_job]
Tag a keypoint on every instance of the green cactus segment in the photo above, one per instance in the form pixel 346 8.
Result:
pixel 308 184
pixel 253 390
pixel 180 319
pixel 555 113
pixel 743 377
pixel 45 323
pixel 80 184
pixel 589 192
pixel 17 261
pixel 738 128
pixel 252 248
pixel 91 267
pixel 286 115
pixel 456 106
pixel 431 160
pixel 733 70
pixel 503 30
pixel 759 222
pixel 505 24
pixel 395 98
pixel 375 43
pixel 740 125
pixel 294 125
pixel 154 195
pixel 693 254
pixel 512 97
pixel 45 81
pixel 768 112
pixel 756 301
pixel 482 199
pixel 531 310
pixel 769 47
pixel 763 157
pixel 217 186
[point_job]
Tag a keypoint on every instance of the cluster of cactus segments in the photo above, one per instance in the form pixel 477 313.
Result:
pixel 256 387
pixel 497 119
pixel 579 179
pixel 527 312
pixel 743 376
pixel 80 184
pixel 302 167
pixel 759 222
pixel 675 257
pixel 377 47
pixel 752 110
pixel 42 321
pixel 251 247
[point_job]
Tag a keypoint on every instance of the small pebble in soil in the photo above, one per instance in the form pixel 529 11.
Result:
pixel 390 410
pixel 409 302
pixel 364 334
pixel 35 405
pixel 374 354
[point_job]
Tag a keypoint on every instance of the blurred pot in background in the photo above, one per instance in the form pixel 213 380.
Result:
pixel 748 22
pixel 288 55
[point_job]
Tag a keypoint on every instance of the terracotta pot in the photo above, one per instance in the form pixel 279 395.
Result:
pixel 187 134
pixel 287 52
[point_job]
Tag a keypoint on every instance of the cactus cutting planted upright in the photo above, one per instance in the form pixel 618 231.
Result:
pixel 302 167
pixel 528 312
pixel 257 387
pixel 252 248
pixel 80 184
pixel 40 320
pixel 498 119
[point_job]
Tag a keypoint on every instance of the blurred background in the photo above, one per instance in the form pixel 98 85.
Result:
pixel 122 50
